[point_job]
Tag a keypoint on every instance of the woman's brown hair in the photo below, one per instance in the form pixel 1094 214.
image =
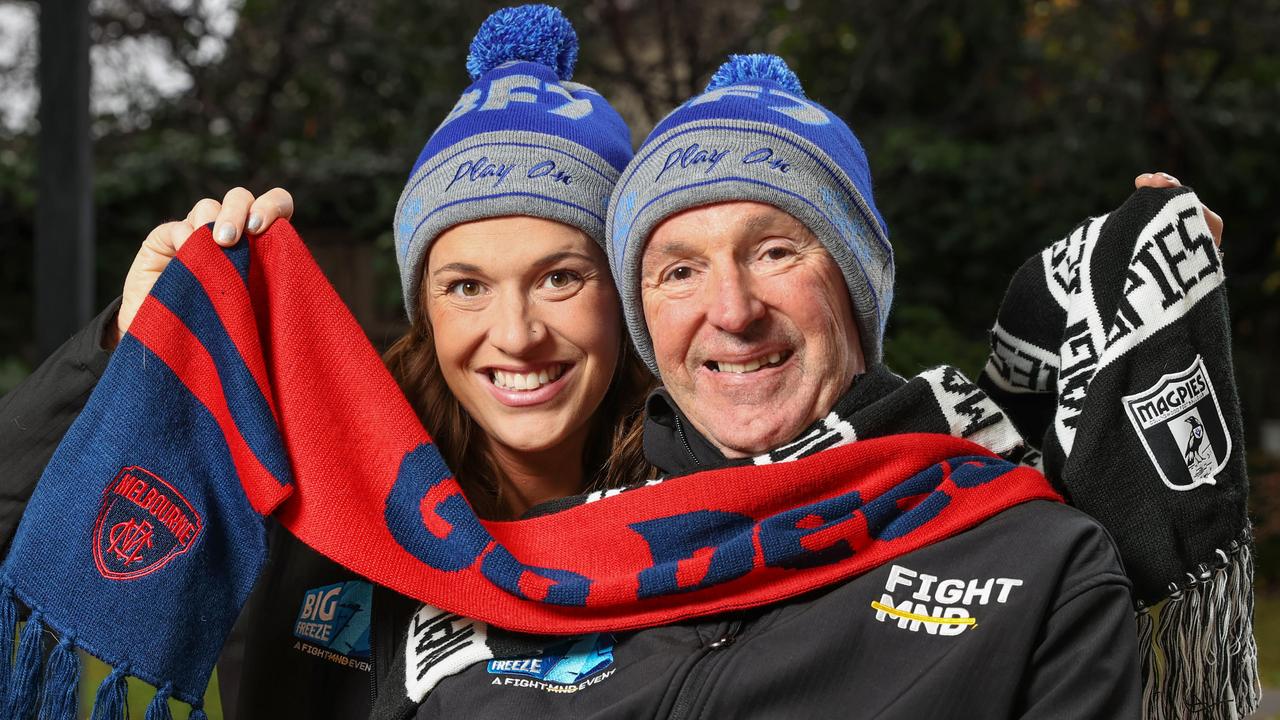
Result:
pixel 613 455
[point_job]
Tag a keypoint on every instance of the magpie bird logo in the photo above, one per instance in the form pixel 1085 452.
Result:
pixel 1195 441
pixel 1180 423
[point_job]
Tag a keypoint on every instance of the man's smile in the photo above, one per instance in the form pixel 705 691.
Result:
pixel 749 365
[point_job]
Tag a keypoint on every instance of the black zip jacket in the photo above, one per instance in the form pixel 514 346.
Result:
pixel 306 643
pixel 1053 633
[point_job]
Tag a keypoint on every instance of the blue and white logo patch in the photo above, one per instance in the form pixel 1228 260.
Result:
pixel 336 618
pixel 566 663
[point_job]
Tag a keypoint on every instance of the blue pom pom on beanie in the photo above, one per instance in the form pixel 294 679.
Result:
pixel 536 33
pixel 753 135
pixel 522 140
pixel 747 68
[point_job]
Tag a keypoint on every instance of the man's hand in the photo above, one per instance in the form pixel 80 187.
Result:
pixel 1161 180
pixel 239 211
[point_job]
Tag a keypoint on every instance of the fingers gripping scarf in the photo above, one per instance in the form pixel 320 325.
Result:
pixel 245 388
pixel 1124 379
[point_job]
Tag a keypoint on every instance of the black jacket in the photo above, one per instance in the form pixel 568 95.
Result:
pixel 1054 634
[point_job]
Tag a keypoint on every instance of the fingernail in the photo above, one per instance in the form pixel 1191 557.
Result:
pixel 225 234
pixel 255 222
pixel 1144 176
pixel 1168 177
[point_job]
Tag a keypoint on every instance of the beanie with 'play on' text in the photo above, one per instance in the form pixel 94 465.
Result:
pixel 753 135
pixel 522 140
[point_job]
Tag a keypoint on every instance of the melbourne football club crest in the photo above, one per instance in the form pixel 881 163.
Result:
pixel 143 524
pixel 1180 424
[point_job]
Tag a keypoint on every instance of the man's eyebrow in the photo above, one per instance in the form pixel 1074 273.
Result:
pixel 458 267
pixel 762 222
pixel 674 247
pixel 752 225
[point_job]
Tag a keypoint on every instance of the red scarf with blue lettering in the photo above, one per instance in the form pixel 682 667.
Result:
pixel 245 388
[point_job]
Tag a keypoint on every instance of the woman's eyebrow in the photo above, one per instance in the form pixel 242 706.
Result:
pixel 554 258
pixel 458 267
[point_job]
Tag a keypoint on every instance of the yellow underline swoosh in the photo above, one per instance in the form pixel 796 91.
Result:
pixel 924 618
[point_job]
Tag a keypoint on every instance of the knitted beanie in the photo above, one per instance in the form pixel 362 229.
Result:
pixel 752 135
pixel 522 140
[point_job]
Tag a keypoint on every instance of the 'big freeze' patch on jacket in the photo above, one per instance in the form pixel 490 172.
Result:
pixel 334 621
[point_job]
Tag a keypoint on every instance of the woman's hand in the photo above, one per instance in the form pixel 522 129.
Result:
pixel 1161 179
pixel 239 211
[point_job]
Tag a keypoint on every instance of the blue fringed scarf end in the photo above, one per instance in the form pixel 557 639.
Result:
pixel 59 700
pixel 24 678
pixel 21 684
pixel 8 627
pixel 159 707
pixel 56 690
pixel 112 700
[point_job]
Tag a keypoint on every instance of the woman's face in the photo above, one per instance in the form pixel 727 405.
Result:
pixel 527 327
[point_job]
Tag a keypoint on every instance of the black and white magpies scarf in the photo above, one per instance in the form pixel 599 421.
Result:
pixel 1112 352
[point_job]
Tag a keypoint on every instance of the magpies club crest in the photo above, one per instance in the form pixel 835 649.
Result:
pixel 143 524
pixel 1180 424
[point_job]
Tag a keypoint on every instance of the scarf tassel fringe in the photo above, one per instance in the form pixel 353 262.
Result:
pixel 159 707
pixel 112 700
pixel 1199 656
pixel 24 678
pixel 56 689
pixel 8 627
pixel 60 699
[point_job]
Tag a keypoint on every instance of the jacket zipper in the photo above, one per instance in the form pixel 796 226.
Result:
pixel 701 672
pixel 684 441
pixel 373 654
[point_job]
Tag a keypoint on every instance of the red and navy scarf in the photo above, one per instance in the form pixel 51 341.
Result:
pixel 245 388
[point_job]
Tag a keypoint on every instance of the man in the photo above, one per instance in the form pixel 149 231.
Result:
pixel 757 276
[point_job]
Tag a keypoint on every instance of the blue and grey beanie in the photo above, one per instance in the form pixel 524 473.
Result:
pixel 522 140
pixel 752 135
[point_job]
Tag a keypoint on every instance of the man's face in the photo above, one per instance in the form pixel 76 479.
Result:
pixel 751 323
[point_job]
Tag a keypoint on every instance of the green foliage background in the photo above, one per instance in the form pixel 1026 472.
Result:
pixel 992 127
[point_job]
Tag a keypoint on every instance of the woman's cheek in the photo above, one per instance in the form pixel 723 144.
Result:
pixel 454 333
pixel 597 318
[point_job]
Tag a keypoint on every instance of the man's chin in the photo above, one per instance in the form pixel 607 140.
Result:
pixel 746 439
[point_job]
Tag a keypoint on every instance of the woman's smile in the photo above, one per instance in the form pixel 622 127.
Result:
pixel 524 387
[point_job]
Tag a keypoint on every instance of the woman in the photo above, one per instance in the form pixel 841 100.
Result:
pixel 517 364
pixel 515 358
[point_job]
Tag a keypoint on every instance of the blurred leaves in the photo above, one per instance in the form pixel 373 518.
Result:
pixel 1264 509
pixel 993 127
